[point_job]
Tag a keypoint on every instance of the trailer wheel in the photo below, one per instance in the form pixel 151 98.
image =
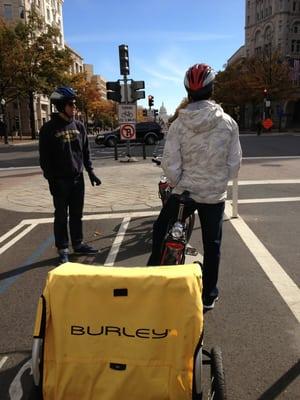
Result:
pixel 218 389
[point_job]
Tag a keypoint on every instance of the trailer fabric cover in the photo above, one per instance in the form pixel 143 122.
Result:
pixel 120 333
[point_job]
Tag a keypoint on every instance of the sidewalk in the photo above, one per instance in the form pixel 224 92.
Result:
pixel 125 186
pixel 18 142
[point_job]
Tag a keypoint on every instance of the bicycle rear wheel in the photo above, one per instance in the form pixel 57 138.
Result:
pixel 218 389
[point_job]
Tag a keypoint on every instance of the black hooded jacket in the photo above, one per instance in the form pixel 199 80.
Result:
pixel 64 148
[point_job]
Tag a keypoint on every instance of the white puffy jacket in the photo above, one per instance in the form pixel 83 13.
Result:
pixel 202 152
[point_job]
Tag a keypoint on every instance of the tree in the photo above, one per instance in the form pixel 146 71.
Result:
pixel 184 102
pixel 245 82
pixel 102 112
pixel 10 51
pixel 35 63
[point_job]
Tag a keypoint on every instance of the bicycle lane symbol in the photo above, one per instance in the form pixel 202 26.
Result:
pixel 16 388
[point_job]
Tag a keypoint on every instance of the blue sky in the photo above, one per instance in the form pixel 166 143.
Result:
pixel 164 37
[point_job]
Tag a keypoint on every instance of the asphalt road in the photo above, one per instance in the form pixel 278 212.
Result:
pixel 254 321
pixel 252 145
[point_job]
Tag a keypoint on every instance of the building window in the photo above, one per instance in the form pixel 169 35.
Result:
pixel 48 14
pixel 8 12
pixel 296 27
pixel 21 12
pixel 294 6
pixel 295 48
pixel 268 36
pixel 258 51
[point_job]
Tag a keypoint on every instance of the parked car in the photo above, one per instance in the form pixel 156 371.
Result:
pixel 148 132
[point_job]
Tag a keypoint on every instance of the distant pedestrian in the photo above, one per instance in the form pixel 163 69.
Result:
pixel 258 127
pixel 2 129
pixel 64 152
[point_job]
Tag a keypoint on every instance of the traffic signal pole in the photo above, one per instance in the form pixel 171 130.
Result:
pixel 126 102
pixel 124 69
pixel 126 92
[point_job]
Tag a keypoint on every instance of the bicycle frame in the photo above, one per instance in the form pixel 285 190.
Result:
pixel 174 245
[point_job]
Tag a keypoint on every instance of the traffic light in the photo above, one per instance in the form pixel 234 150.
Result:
pixel 113 91
pixel 145 113
pixel 150 100
pixel 136 93
pixel 265 92
pixel 155 113
pixel 124 59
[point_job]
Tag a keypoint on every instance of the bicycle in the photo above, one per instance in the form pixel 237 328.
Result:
pixel 173 252
pixel 178 234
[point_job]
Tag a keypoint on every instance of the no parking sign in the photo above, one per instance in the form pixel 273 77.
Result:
pixel 127 132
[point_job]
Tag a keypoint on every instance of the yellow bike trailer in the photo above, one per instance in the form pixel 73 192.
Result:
pixel 108 333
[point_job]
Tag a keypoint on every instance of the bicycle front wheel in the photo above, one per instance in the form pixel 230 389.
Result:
pixel 190 222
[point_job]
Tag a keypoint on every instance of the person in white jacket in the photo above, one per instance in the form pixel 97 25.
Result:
pixel 201 154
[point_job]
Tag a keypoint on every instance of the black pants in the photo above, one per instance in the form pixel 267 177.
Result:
pixel 211 220
pixel 68 197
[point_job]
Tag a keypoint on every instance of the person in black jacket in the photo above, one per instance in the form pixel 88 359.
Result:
pixel 64 152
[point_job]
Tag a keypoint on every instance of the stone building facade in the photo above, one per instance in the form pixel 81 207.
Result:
pixel 274 25
pixel 98 80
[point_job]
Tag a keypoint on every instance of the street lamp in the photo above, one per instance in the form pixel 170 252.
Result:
pixel 3 102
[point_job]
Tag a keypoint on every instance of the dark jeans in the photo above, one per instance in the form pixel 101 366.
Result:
pixel 68 196
pixel 211 219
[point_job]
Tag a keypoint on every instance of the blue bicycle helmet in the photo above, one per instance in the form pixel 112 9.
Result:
pixel 61 96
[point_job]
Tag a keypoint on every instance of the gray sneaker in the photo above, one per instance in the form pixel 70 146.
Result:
pixel 63 255
pixel 209 302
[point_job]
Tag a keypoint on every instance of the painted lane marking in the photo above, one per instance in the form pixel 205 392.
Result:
pixel 17 238
pixel 35 256
pixel 3 361
pixel 121 215
pixel 271 200
pixel 117 243
pixel 286 287
pixel 14 168
pixel 266 182
pixel 11 231
pixel 15 389
pixel 271 158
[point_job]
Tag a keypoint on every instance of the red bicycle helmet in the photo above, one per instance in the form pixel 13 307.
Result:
pixel 198 80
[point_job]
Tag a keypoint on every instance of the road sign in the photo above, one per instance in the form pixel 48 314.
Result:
pixel 127 113
pixel 267 123
pixel 127 131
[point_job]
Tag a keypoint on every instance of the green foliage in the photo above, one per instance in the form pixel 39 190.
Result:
pixel 31 60
pixel 244 81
